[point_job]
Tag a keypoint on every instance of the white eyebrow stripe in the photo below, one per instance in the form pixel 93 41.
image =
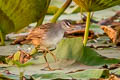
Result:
pixel 67 24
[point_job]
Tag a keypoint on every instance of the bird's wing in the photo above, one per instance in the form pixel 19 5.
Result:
pixel 40 31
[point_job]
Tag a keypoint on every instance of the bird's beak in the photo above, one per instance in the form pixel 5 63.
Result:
pixel 71 27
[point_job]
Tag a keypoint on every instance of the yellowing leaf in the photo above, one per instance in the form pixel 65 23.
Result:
pixel 95 5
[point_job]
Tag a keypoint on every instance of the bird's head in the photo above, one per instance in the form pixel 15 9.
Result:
pixel 65 24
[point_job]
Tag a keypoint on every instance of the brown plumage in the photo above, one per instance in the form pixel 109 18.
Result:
pixel 47 36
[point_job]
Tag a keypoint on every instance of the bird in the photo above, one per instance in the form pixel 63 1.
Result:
pixel 46 37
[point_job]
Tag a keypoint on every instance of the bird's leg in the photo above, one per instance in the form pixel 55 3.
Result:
pixel 46 61
pixel 48 66
pixel 52 54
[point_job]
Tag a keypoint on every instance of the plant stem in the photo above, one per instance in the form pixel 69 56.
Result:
pixel 21 75
pixel 60 11
pixel 87 28
pixel 2 38
pixel 40 21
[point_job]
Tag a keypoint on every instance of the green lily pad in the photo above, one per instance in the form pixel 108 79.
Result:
pixel 91 57
pixel 53 75
pixel 96 5
pixel 70 48
pixel 90 73
pixel 6 25
pixel 87 74
pixel 115 71
pixel 4 76
pixel 96 29
pixel 73 49
pixel 17 14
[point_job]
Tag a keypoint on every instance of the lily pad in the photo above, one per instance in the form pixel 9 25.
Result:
pixel 91 57
pixel 97 30
pixel 17 14
pixel 87 74
pixel 53 75
pixel 90 73
pixel 6 25
pixel 96 5
pixel 4 76
pixel 72 49
pixel 116 71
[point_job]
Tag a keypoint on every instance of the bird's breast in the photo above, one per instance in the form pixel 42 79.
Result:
pixel 54 38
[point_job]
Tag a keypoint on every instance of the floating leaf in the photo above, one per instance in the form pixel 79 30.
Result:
pixel 90 73
pixel 18 64
pixel 87 74
pixel 72 49
pixel 116 71
pixel 53 75
pixel 4 76
pixel 91 57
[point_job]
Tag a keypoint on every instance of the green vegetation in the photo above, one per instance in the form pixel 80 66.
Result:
pixel 77 60
pixel 14 18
